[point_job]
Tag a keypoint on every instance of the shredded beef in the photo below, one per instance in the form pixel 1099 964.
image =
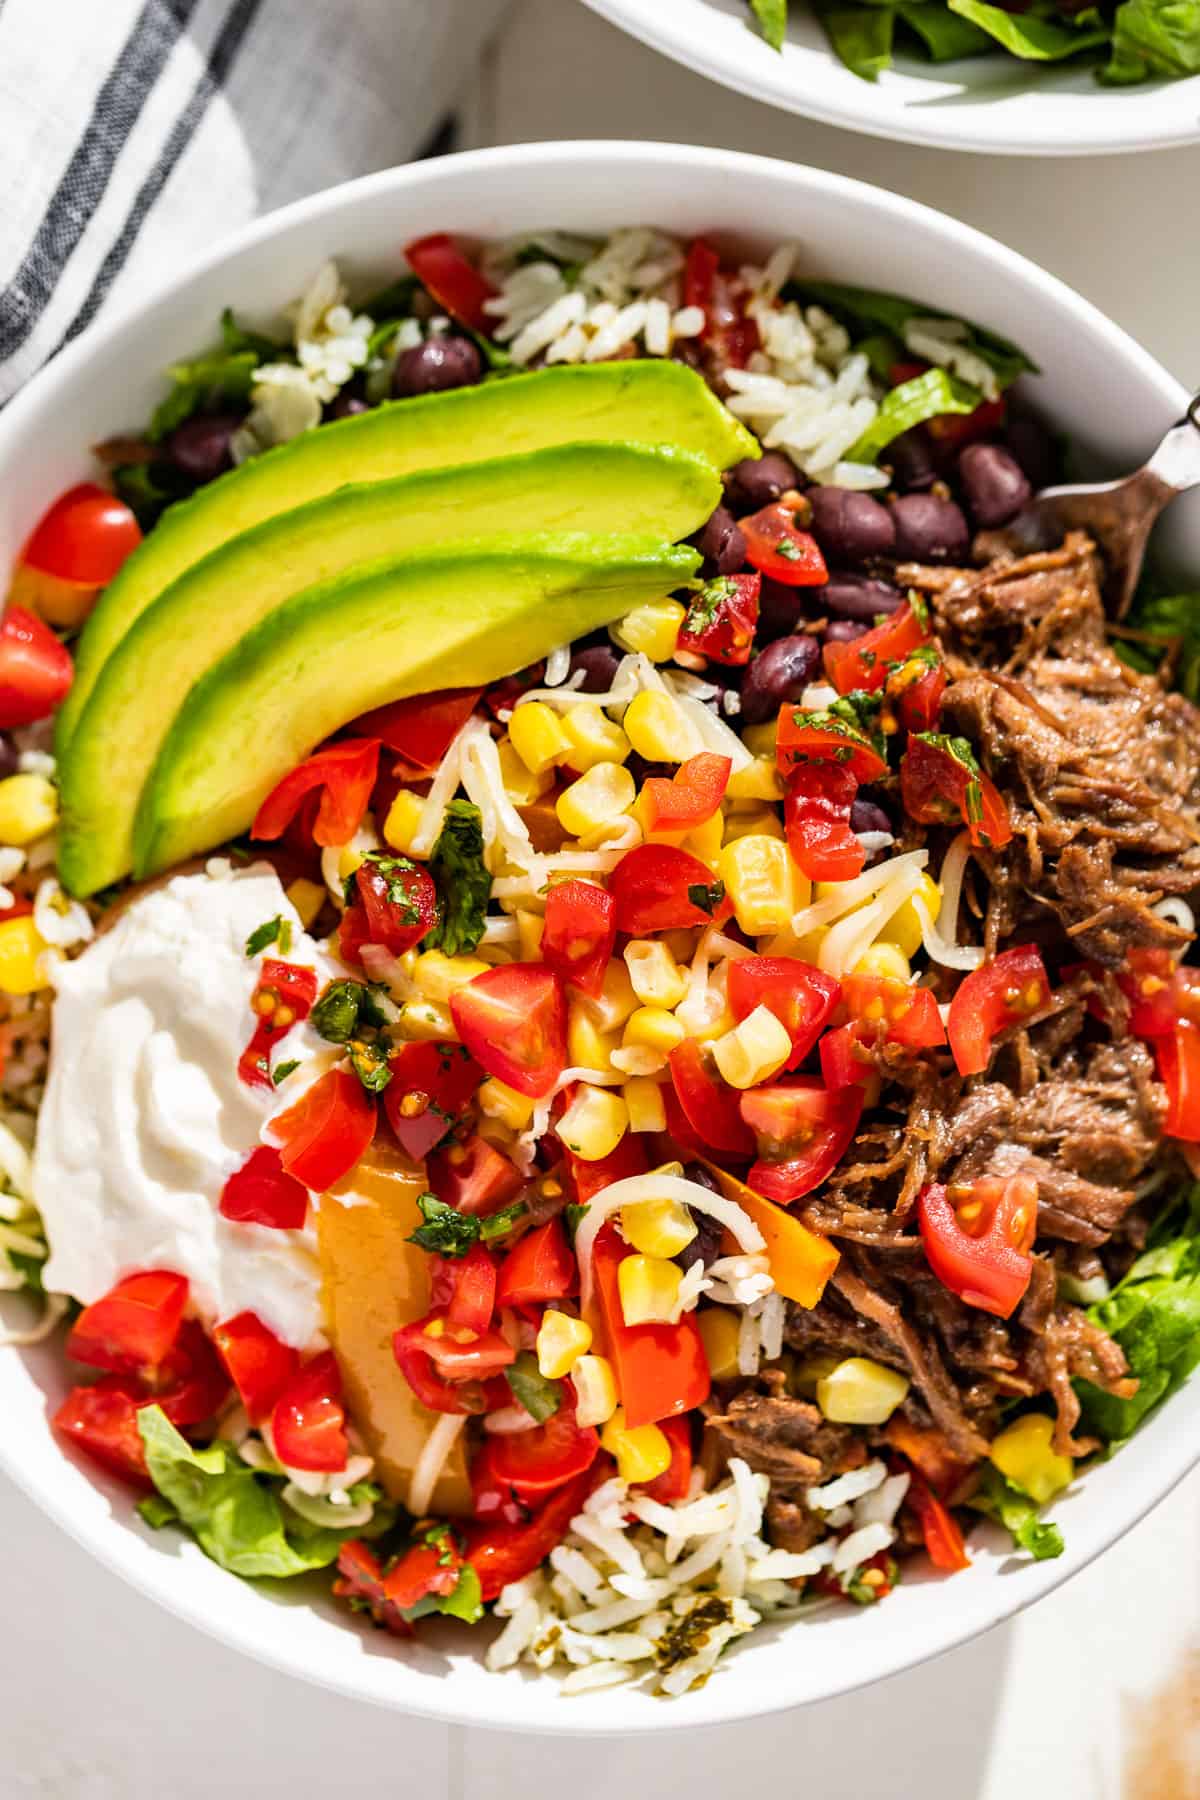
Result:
pixel 784 1438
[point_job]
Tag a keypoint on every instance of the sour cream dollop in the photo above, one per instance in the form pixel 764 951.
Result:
pixel 145 1117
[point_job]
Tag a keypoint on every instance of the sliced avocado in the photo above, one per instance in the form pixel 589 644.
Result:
pixel 662 494
pixel 458 617
pixel 651 402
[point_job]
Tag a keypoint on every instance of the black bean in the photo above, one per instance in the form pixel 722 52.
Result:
pixel 778 673
pixel 993 484
pixel 346 405
pixel 850 527
pixel 705 1247
pixel 1034 449
pixel 200 446
pixel 599 664
pixel 850 596
pixel 929 529
pixel 642 769
pixel 759 480
pixel 437 364
pixel 911 460
pixel 865 815
pixel 721 543
pixel 779 608
pixel 9 755
pixel 844 631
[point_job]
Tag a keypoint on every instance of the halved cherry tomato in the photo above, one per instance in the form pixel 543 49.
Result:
pixel 262 1192
pixel 721 620
pixel 308 1421
pixel 777 547
pixel 846 1056
pixel 455 283
pixel 84 537
pixel 474 1177
pixel 397 906
pixel 906 1012
pixel 978 1237
pixel 461 1355
pixel 943 1539
pixel 816 817
pixel 709 1105
pixel 539 1267
pixel 941 783
pixel 513 1020
pixel 689 798
pixel 581 929
pixel 463 1289
pixel 133 1326
pixel 802 998
pixel 916 688
pixel 661 1370
pixel 344 773
pixel 589 1178
pixel 327 1130
pixel 864 663
pixel 660 888
pixel 534 1463
pixel 802 1129
pixel 822 737
pixel 1179 1070
pixel 431 1087
pixel 675 1481
pixel 102 1421
pixel 35 669
pixel 421 728
pixel 503 1553
pixel 260 1364
pixel 1009 989
pixel 283 996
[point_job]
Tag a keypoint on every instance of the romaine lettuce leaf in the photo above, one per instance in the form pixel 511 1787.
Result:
pixel 1154 37
pixel 861 37
pixel 926 396
pixel 999 1499
pixel 1028 36
pixel 772 20
pixel 945 36
pixel 864 311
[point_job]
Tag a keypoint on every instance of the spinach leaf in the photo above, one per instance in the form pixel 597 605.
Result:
pixel 221 378
pixel 861 37
pixel 926 396
pixel 1154 37
pixel 945 36
pixel 1026 35
pixel 463 883
pixel 999 1499
pixel 772 20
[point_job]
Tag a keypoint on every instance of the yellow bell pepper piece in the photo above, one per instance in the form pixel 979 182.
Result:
pixel 1024 1452
pixel 801 1260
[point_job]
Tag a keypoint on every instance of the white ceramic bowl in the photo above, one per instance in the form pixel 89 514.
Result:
pixel 1097 384
pixel 994 104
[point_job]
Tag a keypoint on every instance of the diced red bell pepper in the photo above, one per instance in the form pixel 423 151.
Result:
pixel 802 1129
pixel 308 1421
pixel 590 1178
pixel 721 620
pixel 689 798
pixel 709 1104
pixel 661 1370
pixel 260 1364
pixel 816 817
pixel 1179 1070
pixel 865 663
pixel 327 1130
pixel 84 537
pixel 978 1239
pixel 802 998
pixel 1010 989
pixel 474 1177
pixel 941 783
pixel 539 1267
pixel 943 1539
pixel 455 283
pixel 344 773
pixel 675 1481
pixel 580 931
pixel 513 1020
pixel 431 1087
pixel 262 1192
pixel 35 669
pixel 421 728
pixel 134 1325
pixel 778 547
pixel 660 888
pixel 804 738
pixel 503 1553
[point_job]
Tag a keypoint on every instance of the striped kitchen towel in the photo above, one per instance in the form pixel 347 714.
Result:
pixel 133 133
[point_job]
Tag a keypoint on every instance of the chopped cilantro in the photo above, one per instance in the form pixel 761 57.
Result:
pixel 445 1232
pixel 343 1008
pixel 282 1070
pixel 393 869
pixel 369 1060
pixel 499 1224
pixel 703 610
pixel 706 896
pixel 267 933
pixel 790 552
pixel 463 883
pixel 540 1397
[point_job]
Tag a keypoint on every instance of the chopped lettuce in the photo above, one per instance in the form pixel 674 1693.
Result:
pixel 1169 620
pixel 462 880
pixel 926 396
pixel 1154 38
pixel 861 36
pixel 1032 37
pixel 221 378
pixel 772 20
pixel 944 35
pixel 864 311
pixel 999 1499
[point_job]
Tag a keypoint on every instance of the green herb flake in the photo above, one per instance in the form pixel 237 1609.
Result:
pixel 369 1060
pixel 445 1232
pixel 463 883
pixel 499 1224
pixel 343 1008
pixel 706 896
pixel 267 933
pixel 531 1389
pixel 282 1070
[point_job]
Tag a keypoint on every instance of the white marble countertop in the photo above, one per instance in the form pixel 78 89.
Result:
pixel 108 1698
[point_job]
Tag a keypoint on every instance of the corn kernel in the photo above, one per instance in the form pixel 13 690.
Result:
pixel 705 841
pixel 498 1101
pixel 649 1288
pixel 718 1022
pixel 403 820
pixel 759 780
pixel 655 1028
pixel 588 1046
pixel 763 882
pixel 616 1000
pixel 753 824
pixel 437 975
pixel 657 1227
pixel 595 738
pixel 1024 1452
pixel 761 740
pixel 860 1392
pixel 561 1341
pixel 537 735
pixel 427 1019
pixel 530 927
pixel 597 798
pixel 656 977
pixel 21 949
pixel 652 628
pixel 28 808
pixel 805 1374
pixel 594 1123
pixel 754 1050
pixel 720 1330
pixel 659 729
pixel 521 785
pixel 884 960
pixel 641 1454
pixel 644 1104
pixel 595 1390
pixel 904 927
pixel 308 897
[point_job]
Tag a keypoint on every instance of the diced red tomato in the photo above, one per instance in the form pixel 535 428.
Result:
pixel 900 372
pixel 978 1237
pixel 190 1384
pixel 459 1354
pixel 846 1056
pixel 802 1129
pixel 503 1553
pixel 581 929
pixel 721 621
pixel 589 1178
pixel 412 1351
pixel 1179 1070
pixel 259 1363
pixel 134 1325
pixel 943 1538
pixel 456 284
pixel 907 1012
pixel 709 1105
pixel 262 1192
pixel 864 663
pixel 421 728
pixel 660 888
pixel 84 537
pixel 474 1177
pixel 916 688
pixel 689 798
pixel 513 1020
pixel 492 1498
pixel 802 998
pixel 953 431
pixel 661 1370
pixel 941 783
pixel 463 1289
pixel 699 275
pixel 534 1463
pixel 344 774
pixel 361 1580
pixel 102 1421
pixel 816 817
pixel 283 996
pixel 327 1130
pixel 308 1421
pixel 396 907
pixel 1006 991
pixel 822 737
pixel 432 1084
pixel 539 1267
pixel 728 332
pixel 777 547
pixel 35 669
pixel 675 1481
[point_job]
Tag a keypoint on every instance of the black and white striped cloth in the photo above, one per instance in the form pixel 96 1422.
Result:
pixel 134 133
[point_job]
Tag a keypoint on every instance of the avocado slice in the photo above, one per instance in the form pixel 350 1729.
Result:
pixel 663 494
pixel 642 402
pixel 461 617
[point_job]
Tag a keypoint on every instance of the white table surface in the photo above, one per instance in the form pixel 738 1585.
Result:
pixel 105 1697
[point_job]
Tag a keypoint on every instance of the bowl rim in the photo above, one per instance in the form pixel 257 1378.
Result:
pixel 771 79
pixel 123 1550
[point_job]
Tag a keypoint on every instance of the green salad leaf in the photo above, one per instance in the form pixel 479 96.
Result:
pixel 864 312
pixel 234 1512
pixel 1154 37
pixel 945 36
pixel 772 20
pixel 462 880
pixel 1027 35
pixel 999 1499
pixel 1170 621
pixel 861 37
pixel 540 1396
pixel 445 1231
pixel 221 378
pixel 926 396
